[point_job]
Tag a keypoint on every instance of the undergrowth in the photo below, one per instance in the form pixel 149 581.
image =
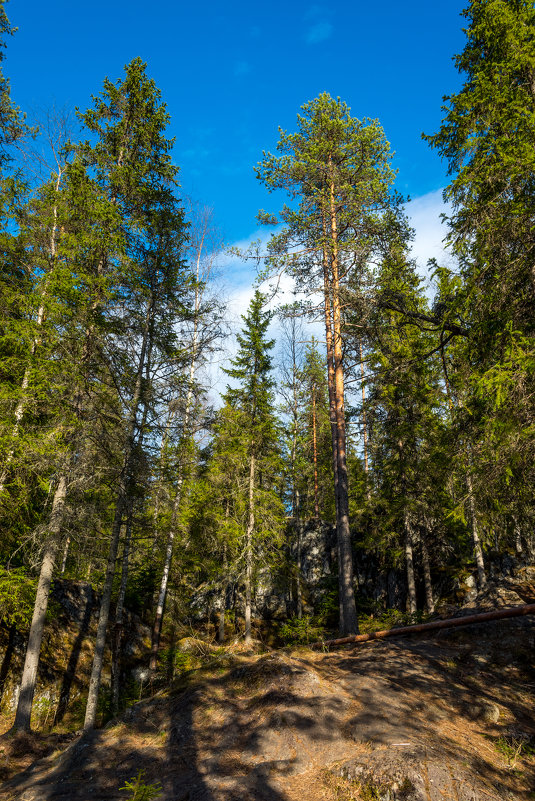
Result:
pixel 141 791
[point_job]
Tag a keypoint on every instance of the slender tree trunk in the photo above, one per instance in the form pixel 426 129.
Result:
pixel 429 601
pixel 332 398
pixel 315 455
pixel 299 556
pixel 518 538
pixel 120 506
pixel 160 606
pixel 21 405
pixel 65 554
pixel 158 617
pixel 249 550
pixel 346 577
pixel 100 642
pixel 31 661
pixel 119 614
pixel 476 543
pixel 364 422
pixel 409 562
pixel 223 597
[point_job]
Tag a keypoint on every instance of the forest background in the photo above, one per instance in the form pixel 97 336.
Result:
pixel 409 432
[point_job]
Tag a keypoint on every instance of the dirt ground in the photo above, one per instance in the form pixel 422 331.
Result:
pixel 401 720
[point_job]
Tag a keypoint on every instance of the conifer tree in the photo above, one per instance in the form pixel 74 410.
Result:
pixel 486 137
pixel 338 169
pixel 252 425
pixel 404 410
pixel 130 161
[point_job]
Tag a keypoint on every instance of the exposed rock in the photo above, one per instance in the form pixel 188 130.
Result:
pixel 392 721
pixel 67 651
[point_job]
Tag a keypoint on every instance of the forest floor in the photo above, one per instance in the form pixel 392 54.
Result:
pixel 410 719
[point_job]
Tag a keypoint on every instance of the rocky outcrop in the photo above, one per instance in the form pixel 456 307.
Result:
pixel 66 653
pixel 391 722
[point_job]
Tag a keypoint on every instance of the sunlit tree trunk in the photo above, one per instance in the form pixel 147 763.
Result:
pixel 162 593
pixel 409 564
pixel 364 422
pixel 119 614
pixel 31 660
pixel 346 577
pixel 476 542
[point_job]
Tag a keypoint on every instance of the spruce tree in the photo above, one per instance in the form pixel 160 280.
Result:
pixel 251 423
pixel 486 137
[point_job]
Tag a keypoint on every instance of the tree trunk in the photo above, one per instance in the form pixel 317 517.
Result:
pixel 332 400
pixel 21 405
pixel 118 629
pixel 434 625
pixel 31 661
pixel 411 585
pixel 315 455
pixel 518 538
pixel 160 606
pixel 429 601
pixel 346 578
pixel 223 601
pixel 65 554
pixel 120 505
pixel 249 551
pixel 364 422
pixel 158 617
pixel 299 591
pixel 6 659
pixel 100 641
pixel 476 544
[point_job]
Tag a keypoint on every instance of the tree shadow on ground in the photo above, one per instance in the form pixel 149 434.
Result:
pixel 250 733
pixel 432 702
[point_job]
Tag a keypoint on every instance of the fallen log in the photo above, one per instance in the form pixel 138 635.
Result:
pixel 481 617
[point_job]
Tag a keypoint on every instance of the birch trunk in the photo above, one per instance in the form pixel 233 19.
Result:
pixel 31 660
pixel 409 562
pixel 476 543
pixel 364 422
pixel 158 618
pixel 65 554
pixel 119 613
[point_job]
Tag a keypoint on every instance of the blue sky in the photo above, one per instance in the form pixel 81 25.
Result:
pixel 231 73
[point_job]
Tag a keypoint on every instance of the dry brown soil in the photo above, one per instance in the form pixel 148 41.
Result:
pixel 400 720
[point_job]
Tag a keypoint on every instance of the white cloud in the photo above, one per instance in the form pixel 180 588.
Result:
pixel 425 217
pixel 424 214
